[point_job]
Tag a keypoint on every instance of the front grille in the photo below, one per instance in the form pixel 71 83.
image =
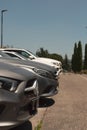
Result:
pixel 31 107
pixel 28 110
pixel 30 83
pixel 49 89
pixel 2 107
pixel 31 89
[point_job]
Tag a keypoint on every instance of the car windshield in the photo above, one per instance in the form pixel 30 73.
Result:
pixel 25 54
pixel 32 53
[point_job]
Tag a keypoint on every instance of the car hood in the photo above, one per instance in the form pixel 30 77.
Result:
pixel 10 71
pixel 46 60
pixel 18 62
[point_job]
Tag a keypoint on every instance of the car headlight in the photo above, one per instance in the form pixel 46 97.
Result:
pixel 8 84
pixel 43 73
pixel 55 63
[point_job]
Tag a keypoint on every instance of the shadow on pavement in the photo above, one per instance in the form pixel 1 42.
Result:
pixel 46 102
pixel 25 126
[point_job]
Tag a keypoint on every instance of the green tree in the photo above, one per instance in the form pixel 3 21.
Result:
pixel 56 57
pixel 66 64
pixel 77 58
pixel 42 53
pixel 85 57
pixel 74 58
pixel 72 62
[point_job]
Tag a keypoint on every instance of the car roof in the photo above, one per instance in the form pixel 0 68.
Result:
pixel 11 49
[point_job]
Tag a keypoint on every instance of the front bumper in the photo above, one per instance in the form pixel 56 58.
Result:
pixel 48 87
pixel 16 108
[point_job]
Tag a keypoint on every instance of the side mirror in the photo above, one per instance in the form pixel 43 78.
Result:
pixel 31 57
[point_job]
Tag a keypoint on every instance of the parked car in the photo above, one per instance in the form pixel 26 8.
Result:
pixel 37 65
pixel 18 56
pixel 18 95
pixel 29 55
pixel 48 86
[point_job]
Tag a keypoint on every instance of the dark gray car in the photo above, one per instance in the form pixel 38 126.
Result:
pixel 18 95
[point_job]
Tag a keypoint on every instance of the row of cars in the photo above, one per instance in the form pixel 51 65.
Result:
pixel 24 79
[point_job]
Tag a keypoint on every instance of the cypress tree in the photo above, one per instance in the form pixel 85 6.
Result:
pixel 74 59
pixel 85 57
pixel 79 57
pixel 72 62
pixel 66 64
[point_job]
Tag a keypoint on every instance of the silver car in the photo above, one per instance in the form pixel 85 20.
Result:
pixel 18 95
pixel 51 69
pixel 48 85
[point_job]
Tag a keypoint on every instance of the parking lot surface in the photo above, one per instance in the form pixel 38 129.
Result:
pixel 69 111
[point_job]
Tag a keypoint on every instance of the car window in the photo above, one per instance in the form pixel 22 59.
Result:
pixel 25 54
pixel 2 54
pixel 12 55
pixel 32 53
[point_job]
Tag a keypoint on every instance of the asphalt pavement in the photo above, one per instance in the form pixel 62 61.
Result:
pixel 69 112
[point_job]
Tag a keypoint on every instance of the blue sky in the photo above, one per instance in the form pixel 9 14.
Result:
pixel 54 25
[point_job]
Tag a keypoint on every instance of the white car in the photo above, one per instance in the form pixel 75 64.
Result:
pixel 27 54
